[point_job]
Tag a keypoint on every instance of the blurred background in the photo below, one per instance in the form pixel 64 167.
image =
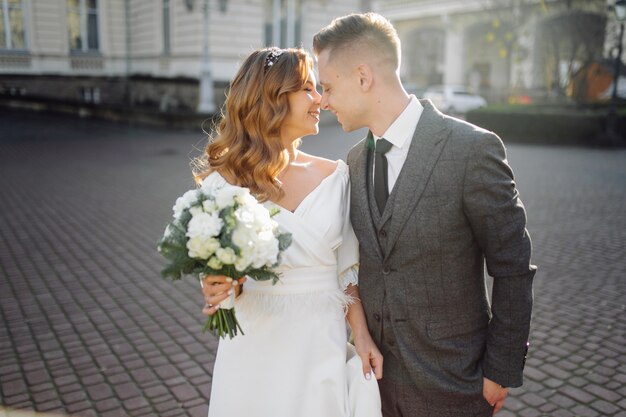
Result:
pixel 145 60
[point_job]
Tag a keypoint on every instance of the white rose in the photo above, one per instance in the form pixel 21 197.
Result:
pixel 245 215
pixel 200 247
pixel 265 250
pixel 243 236
pixel 204 224
pixel 214 263
pixel 226 255
pixel 241 264
pixel 195 210
pixel 229 195
pixel 246 199
pixel 209 206
pixel 185 201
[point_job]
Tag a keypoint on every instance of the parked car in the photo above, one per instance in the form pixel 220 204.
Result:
pixel 454 99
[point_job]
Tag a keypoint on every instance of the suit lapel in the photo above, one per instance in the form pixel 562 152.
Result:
pixel 360 202
pixel 424 151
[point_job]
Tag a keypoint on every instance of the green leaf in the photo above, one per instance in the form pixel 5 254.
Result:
pixel 263 275
pixel 284 241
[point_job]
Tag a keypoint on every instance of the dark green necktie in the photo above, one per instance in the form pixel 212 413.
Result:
pixel 381 187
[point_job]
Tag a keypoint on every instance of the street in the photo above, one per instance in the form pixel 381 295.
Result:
pixel 89 328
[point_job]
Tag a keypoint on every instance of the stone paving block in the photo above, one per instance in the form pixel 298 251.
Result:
pixel 74 397
pixel 107 404
pixel 529 412
pixel 583 411
pixel 16 399
pixel 49 405
pixel 198 411
pixel 605 408
pixel 577 394
pixel 115 413
pixel 78 408
pixel 562 413
pixel 135 403
pixel 127 390
pixel 70 388
pixel 99 391
pixel 597 378
pixel 143 375
pixel 603 393
pixel 184 392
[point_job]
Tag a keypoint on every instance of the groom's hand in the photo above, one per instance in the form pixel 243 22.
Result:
pixel 216 288
pixel 494 393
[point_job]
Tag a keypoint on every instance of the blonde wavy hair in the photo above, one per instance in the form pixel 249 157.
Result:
pixel 246 148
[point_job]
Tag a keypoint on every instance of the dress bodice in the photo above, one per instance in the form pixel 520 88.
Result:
pixel 323 242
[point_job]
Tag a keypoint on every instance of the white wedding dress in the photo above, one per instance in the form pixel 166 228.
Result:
pixel 291 362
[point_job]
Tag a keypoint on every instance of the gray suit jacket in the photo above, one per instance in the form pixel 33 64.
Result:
pixel 454 206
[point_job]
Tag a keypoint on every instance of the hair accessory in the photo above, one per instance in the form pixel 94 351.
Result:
pixel 272 57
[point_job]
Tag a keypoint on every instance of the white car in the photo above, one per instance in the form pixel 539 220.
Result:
pixel 454 99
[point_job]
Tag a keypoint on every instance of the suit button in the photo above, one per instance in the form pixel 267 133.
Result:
pixel 377 317
pixel 386 270
pixel 383 233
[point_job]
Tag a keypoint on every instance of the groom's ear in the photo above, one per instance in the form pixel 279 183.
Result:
pixel 364 71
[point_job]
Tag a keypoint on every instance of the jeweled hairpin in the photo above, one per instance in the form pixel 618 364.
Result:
pixel 272 57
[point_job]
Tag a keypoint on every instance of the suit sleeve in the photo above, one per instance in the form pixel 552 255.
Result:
pixel 498 220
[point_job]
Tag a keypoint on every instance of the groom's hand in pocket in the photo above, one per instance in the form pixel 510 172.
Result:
pixel 494 393
pixel 216 288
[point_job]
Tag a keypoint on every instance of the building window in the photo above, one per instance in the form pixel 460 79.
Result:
pixel 166 27
pixel 82 16
pixel 12 33
pixel 283 23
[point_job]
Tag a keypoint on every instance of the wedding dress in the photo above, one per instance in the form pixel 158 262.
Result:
pixel 291 362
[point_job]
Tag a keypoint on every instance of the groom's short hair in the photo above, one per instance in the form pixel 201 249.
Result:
pixel 371 30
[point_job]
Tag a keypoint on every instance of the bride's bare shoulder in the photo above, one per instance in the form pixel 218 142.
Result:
pixel 325 166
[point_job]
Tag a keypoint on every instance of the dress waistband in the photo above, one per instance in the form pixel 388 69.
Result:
pixel 298 280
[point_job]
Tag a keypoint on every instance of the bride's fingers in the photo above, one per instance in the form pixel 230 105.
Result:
pixel 377 365
pixel 214 279
pixel 215 289
pixel 209 310
pixel 212 304
pixel 367 369
pixel 216 299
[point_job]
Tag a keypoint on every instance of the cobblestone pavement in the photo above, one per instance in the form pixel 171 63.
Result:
pixel 88 327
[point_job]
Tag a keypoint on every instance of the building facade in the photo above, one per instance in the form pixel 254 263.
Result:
pixel 146 53
pixel 498 48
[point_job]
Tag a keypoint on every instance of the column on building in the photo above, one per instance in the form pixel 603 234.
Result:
pixel 284 19
pixel 453 64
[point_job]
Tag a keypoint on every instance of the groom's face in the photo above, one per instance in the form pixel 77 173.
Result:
pixel 340 92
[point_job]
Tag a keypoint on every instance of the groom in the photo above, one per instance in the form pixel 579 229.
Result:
pixel 433 200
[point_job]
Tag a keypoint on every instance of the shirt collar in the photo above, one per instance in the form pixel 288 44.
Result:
pixel 403 128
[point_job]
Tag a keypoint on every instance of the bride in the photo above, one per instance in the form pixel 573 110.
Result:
pixel 291 362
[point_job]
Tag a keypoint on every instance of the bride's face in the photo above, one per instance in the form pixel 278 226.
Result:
pixel 304 111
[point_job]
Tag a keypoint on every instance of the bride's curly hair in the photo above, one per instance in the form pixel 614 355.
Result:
pixel 246 148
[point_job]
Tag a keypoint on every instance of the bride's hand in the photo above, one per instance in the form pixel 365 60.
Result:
pixel 216 288
pixel 370 356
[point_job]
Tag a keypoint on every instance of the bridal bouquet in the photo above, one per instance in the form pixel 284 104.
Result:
pixel 222 231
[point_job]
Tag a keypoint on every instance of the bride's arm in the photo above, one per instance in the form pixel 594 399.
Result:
pixel 365 347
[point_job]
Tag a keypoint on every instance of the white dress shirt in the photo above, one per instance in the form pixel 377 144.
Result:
pixel 400 134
